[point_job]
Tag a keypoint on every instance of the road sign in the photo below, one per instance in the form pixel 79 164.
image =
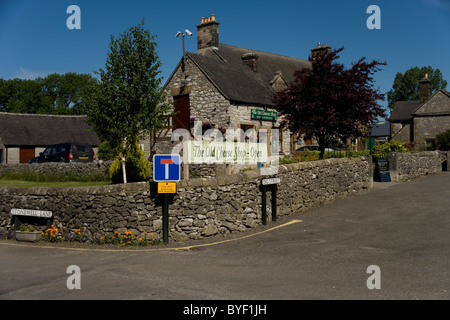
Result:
pixel 270 181
pixel 166 167
pixel 167 187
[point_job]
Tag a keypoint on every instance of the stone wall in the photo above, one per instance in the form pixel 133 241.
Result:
pixel 407 166
pixel 97 167
pixel 202 207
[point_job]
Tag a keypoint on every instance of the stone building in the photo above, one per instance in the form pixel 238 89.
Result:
pixel 24 136
pixel 419 121
pixel 230 87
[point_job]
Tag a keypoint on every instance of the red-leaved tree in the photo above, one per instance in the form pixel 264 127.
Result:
pixel 328 101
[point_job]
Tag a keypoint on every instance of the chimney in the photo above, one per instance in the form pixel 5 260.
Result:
pixel 250 60
pixel 319 50
pixel 425 88
pixel 208 33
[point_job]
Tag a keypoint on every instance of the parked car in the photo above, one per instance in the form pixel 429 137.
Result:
pixel 66 152
pixel 314 147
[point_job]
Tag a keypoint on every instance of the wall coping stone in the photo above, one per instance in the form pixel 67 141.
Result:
pixel 113 188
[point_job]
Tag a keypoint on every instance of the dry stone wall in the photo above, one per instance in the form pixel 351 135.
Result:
pixel 202 207
pixel 407 166
pixel 97 167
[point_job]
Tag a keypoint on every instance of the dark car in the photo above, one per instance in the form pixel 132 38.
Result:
pixel 66 152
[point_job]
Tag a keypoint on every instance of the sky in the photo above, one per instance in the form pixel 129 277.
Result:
pixel 35 40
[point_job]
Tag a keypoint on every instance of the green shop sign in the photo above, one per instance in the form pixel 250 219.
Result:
pixel 266 115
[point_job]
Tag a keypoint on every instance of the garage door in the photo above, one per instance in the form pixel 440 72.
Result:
pixel 26 154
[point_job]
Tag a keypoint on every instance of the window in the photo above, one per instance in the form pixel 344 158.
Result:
pixel 247 133
pixel 277 140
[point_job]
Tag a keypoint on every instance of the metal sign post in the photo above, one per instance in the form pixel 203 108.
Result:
pixel 166 171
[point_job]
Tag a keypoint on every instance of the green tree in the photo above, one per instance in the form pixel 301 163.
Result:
pixel 443 141
pixel 22 96
pixel 53 94
pixel 406 86
pixel 328 101
pixel 128 101
pixel 67 93
pixel 137 167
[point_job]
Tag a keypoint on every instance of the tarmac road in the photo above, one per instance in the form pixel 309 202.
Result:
pixel 404 229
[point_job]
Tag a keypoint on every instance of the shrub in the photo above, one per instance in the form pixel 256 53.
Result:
pixel 443 141
pixel 137 167
pixel 382 150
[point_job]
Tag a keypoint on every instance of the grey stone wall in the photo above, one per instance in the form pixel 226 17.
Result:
pixel 202 207
pixel 407 166
pixel 97 167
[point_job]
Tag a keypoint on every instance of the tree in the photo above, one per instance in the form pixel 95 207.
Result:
pixel 138 168
pixel 327 101
pixel 406 86
pixel 443 141
pixel 67 93
pixel 128 101
pixel 21 96
pixel 54 94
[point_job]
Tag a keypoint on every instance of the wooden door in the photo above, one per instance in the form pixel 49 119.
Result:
pixel 26 154
pixel 182 113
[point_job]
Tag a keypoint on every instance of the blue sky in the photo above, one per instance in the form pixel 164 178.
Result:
pixel 35 41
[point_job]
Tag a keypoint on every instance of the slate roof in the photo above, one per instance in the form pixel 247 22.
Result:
pixel 381 129
pixel 38 130
pixel 403 110
pixel 238 82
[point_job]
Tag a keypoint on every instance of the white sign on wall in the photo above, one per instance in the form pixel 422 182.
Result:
pixel 31 213
pixel 226 152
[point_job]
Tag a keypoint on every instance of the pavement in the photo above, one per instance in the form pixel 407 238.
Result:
pixel 324 253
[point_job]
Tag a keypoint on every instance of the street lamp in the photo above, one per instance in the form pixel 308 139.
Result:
pixel 186 32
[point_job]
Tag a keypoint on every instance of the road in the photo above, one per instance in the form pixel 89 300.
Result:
pixel 322 253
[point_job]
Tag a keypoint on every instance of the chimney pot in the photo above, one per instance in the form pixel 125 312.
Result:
pixel 208 33
pixel 320 49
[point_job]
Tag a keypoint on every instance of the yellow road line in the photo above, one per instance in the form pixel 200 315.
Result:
pixel 187 248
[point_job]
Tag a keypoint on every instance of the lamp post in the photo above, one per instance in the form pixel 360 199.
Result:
pixel 186 32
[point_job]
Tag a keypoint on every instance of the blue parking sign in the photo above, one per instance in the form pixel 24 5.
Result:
pixel 166 167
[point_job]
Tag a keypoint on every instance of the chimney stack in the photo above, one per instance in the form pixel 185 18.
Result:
pixel 250 60
pixel 208 33
pixel 319 50
pixel 425 88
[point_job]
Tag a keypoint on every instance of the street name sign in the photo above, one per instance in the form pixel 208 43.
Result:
pixel 31 213
pixel 268 181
